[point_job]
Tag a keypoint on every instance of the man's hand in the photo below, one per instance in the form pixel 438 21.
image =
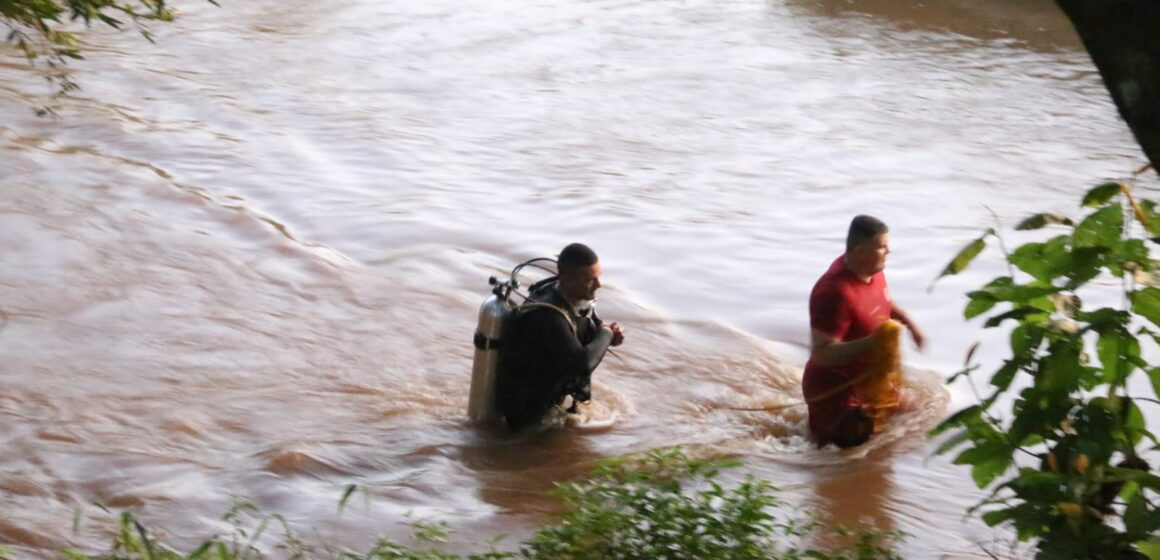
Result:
pixel 917 335
pixel 899 315
pixel 617 334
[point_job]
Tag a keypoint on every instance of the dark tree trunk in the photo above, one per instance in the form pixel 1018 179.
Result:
pixel 1123 39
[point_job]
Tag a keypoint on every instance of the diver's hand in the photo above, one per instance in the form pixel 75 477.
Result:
pixel 617 334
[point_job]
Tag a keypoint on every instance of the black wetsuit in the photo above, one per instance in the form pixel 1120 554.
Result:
pixel 544 360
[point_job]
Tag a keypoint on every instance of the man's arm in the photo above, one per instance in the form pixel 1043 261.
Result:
pixel 827 350
pixel 829 319
pixel 898 314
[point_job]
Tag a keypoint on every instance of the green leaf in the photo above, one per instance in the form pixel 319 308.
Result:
pixel 1130 489
pixel 980 298
pixel 1151 549
pixel 1133 251
pixel 999 282
pixel 1151 217
pixel 988 460
pixel 1026 339
pixel 1135 425
pixel 965 256
pixel 953 442
pixel 1036 485
pixel 1060 371
pixel 1142 478
pixel 1018 314
pixel 1154 375
pixel 1003 377
pixel 1036 221
pixel 1025 293
pixel 1084 265
pixel 201 550
pixel 1118 351
pixel 1101 229
pixel 1146 303
pixel 962 417
pixel 981 302
pixel 1032 258
pixel 350 488
pixel 993 518
pixel 1105 319
pixel 1100 194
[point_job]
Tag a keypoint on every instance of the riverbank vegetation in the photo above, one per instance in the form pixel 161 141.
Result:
pixel 1062 436
pixel 41 31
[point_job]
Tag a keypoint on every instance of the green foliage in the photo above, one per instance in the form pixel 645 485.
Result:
pixel 36 28
pixel 656 505
pixel 1083 489
pixel 967 255
pixel 665 505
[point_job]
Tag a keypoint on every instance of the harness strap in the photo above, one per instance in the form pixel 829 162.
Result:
pixel 534 304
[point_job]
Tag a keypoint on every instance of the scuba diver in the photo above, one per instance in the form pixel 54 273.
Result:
pixel 555 342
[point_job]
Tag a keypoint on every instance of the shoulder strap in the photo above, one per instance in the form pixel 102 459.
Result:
pixel 536 304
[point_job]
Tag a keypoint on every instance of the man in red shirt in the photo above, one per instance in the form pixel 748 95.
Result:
pixel 848 303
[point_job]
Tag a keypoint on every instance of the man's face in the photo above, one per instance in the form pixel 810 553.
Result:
pixel 581 284
pixel 870 256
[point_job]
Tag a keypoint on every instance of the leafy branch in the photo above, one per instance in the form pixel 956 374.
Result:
pixel 1089 493
pixel 37 29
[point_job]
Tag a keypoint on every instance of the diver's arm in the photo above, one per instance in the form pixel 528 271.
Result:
pixel 573 360
pixel 595 350
pixel 825 350
pixel 898 314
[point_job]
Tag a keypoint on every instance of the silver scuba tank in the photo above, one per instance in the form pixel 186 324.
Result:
pixel 494 317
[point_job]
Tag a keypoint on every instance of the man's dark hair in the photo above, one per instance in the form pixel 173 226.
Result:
pixel 574 258
pixel 864 228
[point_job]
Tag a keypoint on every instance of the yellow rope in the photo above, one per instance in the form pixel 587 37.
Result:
pixel 882 375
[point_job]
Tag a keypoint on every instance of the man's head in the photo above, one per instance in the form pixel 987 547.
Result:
pixel 867 244
pixel 579 272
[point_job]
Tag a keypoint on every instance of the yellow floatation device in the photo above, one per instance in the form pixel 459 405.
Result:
pixel 878 387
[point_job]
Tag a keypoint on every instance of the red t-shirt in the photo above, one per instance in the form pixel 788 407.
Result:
pixel 845 307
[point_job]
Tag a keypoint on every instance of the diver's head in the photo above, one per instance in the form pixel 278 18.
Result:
pixel 579 273
pixel 867 244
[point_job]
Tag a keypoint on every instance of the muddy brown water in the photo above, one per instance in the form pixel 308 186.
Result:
pixel 246 262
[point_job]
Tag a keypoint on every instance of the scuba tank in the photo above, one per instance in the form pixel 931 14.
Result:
pixel 495 318
pixel 494 315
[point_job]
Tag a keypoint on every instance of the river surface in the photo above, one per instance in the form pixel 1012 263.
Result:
pixel 246 262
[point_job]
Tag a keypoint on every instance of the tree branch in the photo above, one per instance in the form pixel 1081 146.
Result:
pixel 1121 37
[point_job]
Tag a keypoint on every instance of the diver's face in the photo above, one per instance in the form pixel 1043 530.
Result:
pixel 581 284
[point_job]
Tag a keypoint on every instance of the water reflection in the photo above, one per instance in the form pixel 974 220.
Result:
pixel 857 493
pixel 514 472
